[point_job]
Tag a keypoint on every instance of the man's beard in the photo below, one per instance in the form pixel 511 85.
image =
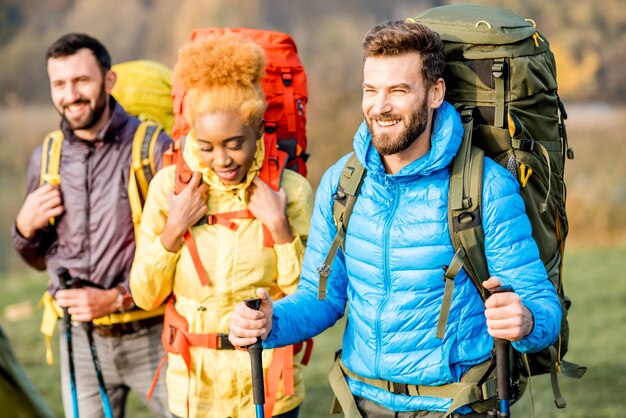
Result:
pixel 385 144
pixel 92 117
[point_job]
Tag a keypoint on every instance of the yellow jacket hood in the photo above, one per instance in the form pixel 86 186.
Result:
pixel 191 154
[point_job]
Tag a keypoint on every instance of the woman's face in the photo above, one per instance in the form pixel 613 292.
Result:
pixel 227 145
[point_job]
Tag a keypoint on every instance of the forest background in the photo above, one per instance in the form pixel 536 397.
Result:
pixel 587 37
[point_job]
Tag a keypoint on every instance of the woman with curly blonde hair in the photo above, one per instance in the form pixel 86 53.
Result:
pixel 224 105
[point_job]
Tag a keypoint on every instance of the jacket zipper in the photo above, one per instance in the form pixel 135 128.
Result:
pixel 88 209
pixel 386 274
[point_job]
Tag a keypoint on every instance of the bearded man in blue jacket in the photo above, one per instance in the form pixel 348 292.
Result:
pixel 390 270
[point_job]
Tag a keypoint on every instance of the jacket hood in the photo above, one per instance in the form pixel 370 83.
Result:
pixel 445 142
pixel 193 158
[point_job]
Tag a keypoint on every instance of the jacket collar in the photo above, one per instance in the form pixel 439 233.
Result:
pixel 192 156
pixel 445 142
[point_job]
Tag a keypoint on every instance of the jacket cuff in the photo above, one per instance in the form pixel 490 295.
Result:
pixel 163 256
pixel 20 242
pixel 542 334
pixel 289 256
pixel 272 340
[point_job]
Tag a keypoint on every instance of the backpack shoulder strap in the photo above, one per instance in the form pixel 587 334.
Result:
pixel 51 160
pixel 182 177
pixel 274 162
pixel 142 167
pixel 142 158
pixel 344 199
pixel 465 219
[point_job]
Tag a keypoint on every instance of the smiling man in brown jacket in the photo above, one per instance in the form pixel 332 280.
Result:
pixel 92 233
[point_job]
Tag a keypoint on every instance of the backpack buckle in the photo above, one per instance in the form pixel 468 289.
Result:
pixel 270 127
pixel 324 270
pixel 211 219
pixel 287 78
pixel 526 144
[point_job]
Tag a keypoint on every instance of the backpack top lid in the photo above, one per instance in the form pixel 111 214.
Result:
pixel 144 89
pixel 474 24
pixel 280 48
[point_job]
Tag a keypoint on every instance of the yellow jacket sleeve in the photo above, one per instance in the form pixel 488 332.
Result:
pixel 152 273
pixel 289 256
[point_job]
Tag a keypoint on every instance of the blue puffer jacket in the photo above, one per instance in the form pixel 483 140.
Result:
pixel 391 273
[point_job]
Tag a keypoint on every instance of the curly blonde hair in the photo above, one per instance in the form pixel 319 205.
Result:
pixel 222 73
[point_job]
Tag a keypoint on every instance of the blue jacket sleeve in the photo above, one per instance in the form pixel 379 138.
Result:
pixel 513 256
pixel 301 315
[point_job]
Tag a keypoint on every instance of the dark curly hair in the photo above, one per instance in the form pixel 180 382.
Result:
pixel 401 36
pixel 71 43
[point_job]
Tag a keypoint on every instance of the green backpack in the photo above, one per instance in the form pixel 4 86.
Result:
pixel 501 76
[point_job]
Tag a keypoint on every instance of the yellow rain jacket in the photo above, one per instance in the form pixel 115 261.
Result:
pixel 237 263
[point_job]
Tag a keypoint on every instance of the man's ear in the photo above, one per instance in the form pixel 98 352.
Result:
pixel 109 81
pixel 437 93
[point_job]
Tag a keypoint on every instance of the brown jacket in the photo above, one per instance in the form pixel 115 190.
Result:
pixel 94 237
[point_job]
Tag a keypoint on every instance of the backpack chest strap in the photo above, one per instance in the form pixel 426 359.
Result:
pixel 225 219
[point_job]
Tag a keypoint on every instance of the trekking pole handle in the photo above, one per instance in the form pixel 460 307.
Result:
pixel 502 366
pixel 66 281
pixel 256 361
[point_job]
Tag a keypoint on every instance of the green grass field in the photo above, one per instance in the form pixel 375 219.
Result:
pixel 594 280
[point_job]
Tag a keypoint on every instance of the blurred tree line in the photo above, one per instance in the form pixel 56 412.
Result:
pixel 588 39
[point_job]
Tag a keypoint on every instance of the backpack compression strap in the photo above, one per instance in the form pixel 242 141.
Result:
pixel 142 168
pixel 51 160
pixel 344 200
pixel 464 219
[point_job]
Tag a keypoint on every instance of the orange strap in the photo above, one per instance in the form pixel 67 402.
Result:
pixel 282 365
pixel 224 219
pixel 176 340
pixel 195 257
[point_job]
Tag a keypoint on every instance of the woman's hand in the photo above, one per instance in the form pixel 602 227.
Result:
pixel 184 210
pixel 270 208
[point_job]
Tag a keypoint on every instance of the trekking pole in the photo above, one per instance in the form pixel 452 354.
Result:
pixel 70 282
pixel 104 397
pixel 256 363
pixel 65 282
pixel 503 373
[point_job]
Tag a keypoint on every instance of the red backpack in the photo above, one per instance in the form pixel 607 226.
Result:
pixel 285 90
